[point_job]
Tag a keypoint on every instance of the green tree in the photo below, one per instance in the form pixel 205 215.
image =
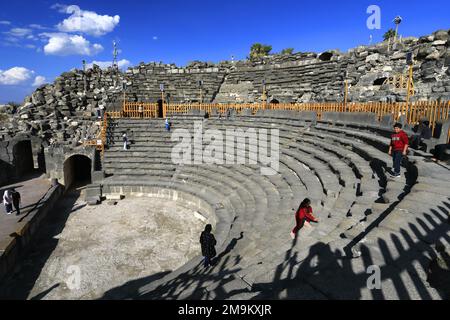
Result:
pixel 287 51
pixel 259 50
pixel 389 34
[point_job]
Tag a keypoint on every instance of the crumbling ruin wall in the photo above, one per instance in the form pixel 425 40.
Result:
pixel 311 77
pixel 19 156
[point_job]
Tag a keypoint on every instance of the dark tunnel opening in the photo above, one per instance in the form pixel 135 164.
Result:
pixel 77 171
pixel 326 56
pixel 23 158
pixel 379 81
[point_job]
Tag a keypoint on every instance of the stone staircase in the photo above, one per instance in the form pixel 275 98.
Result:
pixel 364 213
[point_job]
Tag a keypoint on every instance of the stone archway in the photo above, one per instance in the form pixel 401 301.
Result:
pixel 23 158
pixel 77 171
pixel 160 108
pixel 326 56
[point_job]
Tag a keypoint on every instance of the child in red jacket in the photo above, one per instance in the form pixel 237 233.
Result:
pixel 398 148
pixel 303 214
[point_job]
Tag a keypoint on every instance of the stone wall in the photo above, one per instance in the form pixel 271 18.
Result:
pixel 180 84
pixel 20 155
pixel 12 250
pixel 56 166
pixel 310 77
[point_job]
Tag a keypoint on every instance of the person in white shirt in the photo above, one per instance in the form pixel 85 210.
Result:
pixel 8 201
pixel 125 141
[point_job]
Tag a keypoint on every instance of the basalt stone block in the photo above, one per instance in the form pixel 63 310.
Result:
pixel 387 121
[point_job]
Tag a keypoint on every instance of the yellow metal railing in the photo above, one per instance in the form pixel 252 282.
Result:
pixel 101 139
pixel 414 112
pixel 140 110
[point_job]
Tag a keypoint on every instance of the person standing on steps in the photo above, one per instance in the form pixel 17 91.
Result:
pixel 16 201
pixel 208 243
pixel 167 124
pixel 398 148
pixel 101 107
pixel 8 201
pixel 125 141
pixel 304 215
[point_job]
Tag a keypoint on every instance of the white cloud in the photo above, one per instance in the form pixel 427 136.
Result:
pixel 60 7
pixel 39 81
pixel 155 38
pixel 87 22
pixel 19 32
pixel 123 64
pixel 11 40
pixel 37 26
pixel 4 22
pixel 15 76
pixel 63 44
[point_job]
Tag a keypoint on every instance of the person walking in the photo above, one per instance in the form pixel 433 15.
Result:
pixel 398 148
pixel 167 124
pixel 208 243
pixel 16 201
pixel 125 141
pixel 8 201
pixel 303 215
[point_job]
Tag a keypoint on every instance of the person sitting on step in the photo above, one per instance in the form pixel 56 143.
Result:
pixel 423 132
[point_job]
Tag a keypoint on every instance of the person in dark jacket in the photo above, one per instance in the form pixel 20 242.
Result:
pixel 423 132
pixel 208 243
pixel 303 215
pixel 16 201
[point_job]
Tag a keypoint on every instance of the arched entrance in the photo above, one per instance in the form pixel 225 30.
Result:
pixel 160 108
pixel 77 171
pixel 326 56
pixel 23 158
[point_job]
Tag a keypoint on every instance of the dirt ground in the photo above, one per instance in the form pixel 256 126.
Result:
pixel 91 252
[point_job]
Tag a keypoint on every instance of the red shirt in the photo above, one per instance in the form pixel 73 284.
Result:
pixel 399 141
pixel 305 213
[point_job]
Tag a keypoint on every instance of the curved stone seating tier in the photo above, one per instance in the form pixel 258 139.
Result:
pixel 341 169
pixel 223 213
pixel 371 147
pixel 366 151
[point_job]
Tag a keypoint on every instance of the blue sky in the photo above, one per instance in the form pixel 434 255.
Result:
pixel 42 39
